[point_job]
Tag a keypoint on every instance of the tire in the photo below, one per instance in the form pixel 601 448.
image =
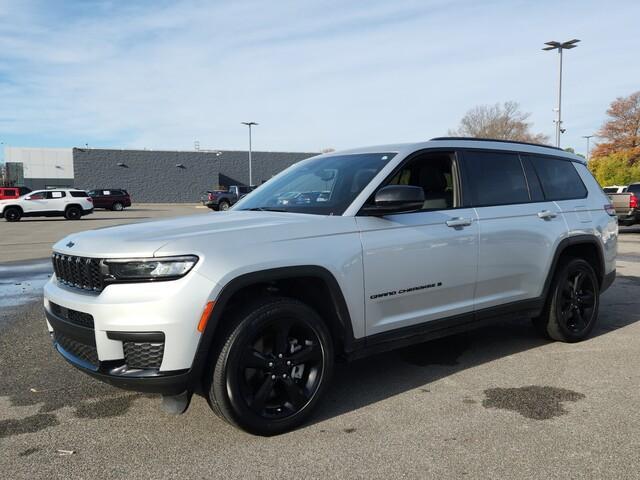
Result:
pixel 117 207
pixel 73 213
pixel 223 206
pixel 275 388
pixel 12 214
pixel 571 310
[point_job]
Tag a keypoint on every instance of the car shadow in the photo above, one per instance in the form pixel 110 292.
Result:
pixel 364 382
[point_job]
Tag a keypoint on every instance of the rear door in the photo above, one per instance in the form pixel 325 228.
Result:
pixel 518 227
pixel 562 184
pixel 55 201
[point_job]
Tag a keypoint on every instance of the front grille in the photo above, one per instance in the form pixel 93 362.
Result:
pixel 78 318
pixel 143 355
pixel 79 272
pixel 88 353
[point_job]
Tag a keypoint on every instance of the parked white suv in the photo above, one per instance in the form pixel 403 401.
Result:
pixel 379 247
pixel 68 202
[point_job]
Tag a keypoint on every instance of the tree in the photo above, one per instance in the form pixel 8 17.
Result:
pixel 502 122
pixel 615 169
pixel 622 130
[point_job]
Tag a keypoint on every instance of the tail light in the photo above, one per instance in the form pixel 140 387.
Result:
pixel 211 196
pixel 90 199
pixel 610 209
pixel 633 201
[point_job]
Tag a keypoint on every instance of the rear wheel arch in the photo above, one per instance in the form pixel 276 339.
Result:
pixel 312 285
pixel 587 247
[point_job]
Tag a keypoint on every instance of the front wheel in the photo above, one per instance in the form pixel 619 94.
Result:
pixel 223 206
pixel 274 365
pixel 571 311
pixel 12 214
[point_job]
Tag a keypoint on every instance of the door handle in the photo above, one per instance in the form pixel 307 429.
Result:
pixel 544 214
pixel 458 222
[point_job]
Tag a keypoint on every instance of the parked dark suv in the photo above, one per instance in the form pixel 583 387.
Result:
pixel 115 199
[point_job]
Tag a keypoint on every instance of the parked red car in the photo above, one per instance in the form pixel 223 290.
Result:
pixel 114 199
pixel 7 193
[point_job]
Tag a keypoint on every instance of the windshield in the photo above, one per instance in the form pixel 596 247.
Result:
pixel 320 185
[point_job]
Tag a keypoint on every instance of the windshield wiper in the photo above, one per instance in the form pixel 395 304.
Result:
pixel 266 209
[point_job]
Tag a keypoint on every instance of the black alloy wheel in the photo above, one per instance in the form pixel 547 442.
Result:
pixel 571 311
pixel 576 306
pixel 12 214
pixel 73 213
pixel 273 367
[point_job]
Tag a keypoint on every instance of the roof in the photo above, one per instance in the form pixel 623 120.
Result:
pixel 464 142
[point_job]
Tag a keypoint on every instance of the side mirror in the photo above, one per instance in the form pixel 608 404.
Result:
pixel 395 199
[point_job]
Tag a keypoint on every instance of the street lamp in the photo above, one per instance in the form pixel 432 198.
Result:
pixel 553 45
pixel 250 124
pixel 587 137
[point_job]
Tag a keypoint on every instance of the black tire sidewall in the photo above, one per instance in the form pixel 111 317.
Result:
pixel 73 213
pixel 15 211
pixel 225 388
pixel 555 327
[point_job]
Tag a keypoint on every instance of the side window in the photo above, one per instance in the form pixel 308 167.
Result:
pixel 106 192
pixel 634 188
pixel 433 172
pixel 496 178
pixel 37 196
pixel 54 194
pixel 559 178
pixel 79 194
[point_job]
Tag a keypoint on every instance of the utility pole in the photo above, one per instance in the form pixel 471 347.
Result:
pixel 587 137
pixel 250 124
pixel 560 46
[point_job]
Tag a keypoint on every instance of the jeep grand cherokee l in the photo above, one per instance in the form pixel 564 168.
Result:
pixel 250 308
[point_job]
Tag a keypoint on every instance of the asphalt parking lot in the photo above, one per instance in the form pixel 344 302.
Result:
pixel 495 403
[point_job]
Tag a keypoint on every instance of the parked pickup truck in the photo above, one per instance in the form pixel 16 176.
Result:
pixel 626 205
pixel 223 199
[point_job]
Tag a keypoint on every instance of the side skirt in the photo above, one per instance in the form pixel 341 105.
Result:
pixel 443 327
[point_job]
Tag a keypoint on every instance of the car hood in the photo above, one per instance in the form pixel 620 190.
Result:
pixel 194 233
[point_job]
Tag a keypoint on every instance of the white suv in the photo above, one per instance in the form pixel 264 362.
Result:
pixel 67 202
pixel 373 249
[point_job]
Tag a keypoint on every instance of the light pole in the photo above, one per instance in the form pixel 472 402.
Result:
pixel 587 137
pixel 553 45
pixel 250 124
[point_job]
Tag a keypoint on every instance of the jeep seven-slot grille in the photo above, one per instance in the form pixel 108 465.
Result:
pixel 79 272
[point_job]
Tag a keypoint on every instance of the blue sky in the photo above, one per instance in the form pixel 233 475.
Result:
pixel 162 74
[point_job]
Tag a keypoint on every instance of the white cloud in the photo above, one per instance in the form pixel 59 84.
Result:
pixel 341 74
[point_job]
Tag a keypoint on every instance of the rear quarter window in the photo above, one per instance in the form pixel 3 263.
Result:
pixel 634 188
pixel 559 178
pixel 79 194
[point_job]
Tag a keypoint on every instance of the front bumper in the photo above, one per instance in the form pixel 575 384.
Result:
pixel 140 337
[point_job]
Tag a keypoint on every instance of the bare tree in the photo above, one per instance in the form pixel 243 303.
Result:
pixel 502 122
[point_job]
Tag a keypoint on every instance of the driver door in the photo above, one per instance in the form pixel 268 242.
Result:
pixel 421 266
pixel 35 202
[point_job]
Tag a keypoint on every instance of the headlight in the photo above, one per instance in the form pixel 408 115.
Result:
pixel 148 269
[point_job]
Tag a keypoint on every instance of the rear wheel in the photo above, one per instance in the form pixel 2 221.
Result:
pixel 73 213
pixel 274 365
pixel 117 207
pixel 571 311
pixel 223 206
pixel 12 214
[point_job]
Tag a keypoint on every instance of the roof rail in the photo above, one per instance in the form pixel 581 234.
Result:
pixel 475 139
